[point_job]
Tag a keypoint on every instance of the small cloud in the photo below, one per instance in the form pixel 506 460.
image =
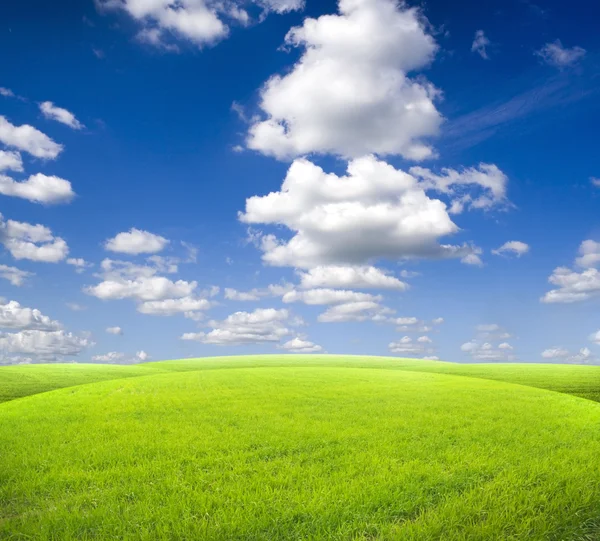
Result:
pixel 52 112
pixel 595 182
pixel 75 307
pixel 513 247
pixel 480 43
pixel 114 330
pixel 554 54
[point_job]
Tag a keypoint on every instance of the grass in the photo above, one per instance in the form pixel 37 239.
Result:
pixel 300 448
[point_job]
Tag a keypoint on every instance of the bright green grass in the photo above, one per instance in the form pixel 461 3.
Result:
pixel 25 380
pixel 300 453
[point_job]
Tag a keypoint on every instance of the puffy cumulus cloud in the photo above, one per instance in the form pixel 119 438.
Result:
pixel 135 242
pixel 574 285
pixel 200 22
pixel 298 345
pixel 374 212
pixel 79 264
pixel 117 357
pixel 411 324
pixel 39 188
pixel 355 311
pixel 28 139
pixel 263 325
pixel 52 112
pixel 512 247
pixel 272 290
pixel 154 294
pixel 487 180
pixel 42 345
pixel 420 348
pixel 357 277
pixel 349 93
pixel 33 242
pixel 10 161
pixel 555 54
pixel 328 296
pixel 584 355
pixel 15 316
pixel 170 307
pixel 487 352
pixel 480 42
pixel 15 276
pixel 114 330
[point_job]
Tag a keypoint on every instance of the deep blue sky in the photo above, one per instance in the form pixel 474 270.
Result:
pixel 157 154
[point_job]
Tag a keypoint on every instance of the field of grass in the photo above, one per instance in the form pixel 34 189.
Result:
pixel 300 447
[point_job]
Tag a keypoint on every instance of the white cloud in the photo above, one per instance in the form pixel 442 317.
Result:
pixel 408 347
pixel 28 139
pixel 328 296
pixel 574 286
pixel 406 321
pixel 487 180
pixel 472 259
pixel 349 94
pixel 487 352
pixel 261 326
pixel 152 288
pixel 272 290
pixel 297 345
pixel 374 212
pixel 480 42
pixel 170 307
pixel 6 92
pixel 200 22
pixel 52 112
pixel 15 316
pixel 512 247
pixel 10 160
pixel 15 276
pixel 136 241
pixel 39 188
pixel 114 330
pixel 355 311
pixel 42 344
pixel 491 327
pixel 595 337
pixel 584 355
pixel 358 277
pixel 79 264
pixel 558 56
pixel 595 182
pixel 589 254
pixel 33 242
pixel 75 306
pixel 117 357
pixel 438 321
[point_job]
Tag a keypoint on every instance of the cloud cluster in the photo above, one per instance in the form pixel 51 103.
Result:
pixel 15 316
pixel 374 212
pixel 575 285
pixel 557 353
pixel 263 325
pixel 419 348
pixel 33 242
pixel 117 357
pixel 488 352
pixel 349 94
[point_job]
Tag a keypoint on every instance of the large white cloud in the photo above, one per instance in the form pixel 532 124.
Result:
pixel 574 285
pixel 152 288
pixel 42 344
pixel 39 188
pixel 136 241
pixel 33 242
pixel 374 212
pixel 52 112
pixel 28 139
pixel 15 316
pixel 349 94
pixel 263 325
pixel 357 277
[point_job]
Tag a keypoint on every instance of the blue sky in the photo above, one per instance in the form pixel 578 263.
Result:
pixel 142 137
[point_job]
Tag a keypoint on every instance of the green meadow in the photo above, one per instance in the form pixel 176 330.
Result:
pixel 300 447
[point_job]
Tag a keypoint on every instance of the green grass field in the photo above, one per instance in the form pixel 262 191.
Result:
pixel 300 447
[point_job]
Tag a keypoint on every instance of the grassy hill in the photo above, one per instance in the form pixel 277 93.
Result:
pixel 293 447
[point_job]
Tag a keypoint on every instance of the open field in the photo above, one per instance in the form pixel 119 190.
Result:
pixel 300 447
